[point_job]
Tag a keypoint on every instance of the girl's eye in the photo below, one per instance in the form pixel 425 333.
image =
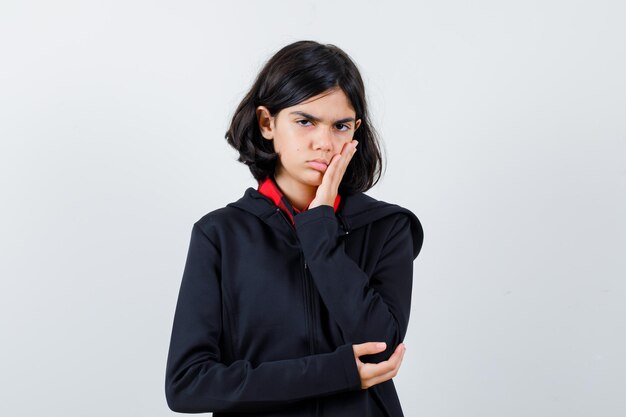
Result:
pixel 342 127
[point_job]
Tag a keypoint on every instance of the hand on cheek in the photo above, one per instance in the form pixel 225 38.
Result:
pixel 327 191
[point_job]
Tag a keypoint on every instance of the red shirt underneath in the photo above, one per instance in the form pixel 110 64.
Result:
pixel 269 188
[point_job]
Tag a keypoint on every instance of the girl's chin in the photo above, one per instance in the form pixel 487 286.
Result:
pixel 314 178
pixel 310 178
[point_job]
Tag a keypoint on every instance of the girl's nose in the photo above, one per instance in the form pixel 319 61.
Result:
pixel 324 140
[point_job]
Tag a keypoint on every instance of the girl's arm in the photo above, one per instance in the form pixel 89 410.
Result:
pixel 196 381
pixel 366 308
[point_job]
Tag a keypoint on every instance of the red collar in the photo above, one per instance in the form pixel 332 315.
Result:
pixel 269 188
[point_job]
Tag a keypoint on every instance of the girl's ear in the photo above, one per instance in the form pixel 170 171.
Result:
pixel 266 122
pixel 357 124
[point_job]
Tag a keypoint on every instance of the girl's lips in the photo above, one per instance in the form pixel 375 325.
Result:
pixel 319 166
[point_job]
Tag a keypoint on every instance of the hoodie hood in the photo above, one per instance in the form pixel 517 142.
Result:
pixel 355 210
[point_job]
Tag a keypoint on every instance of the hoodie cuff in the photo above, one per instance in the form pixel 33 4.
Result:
pixel 351 371
pixel 315 214
pixel 317 230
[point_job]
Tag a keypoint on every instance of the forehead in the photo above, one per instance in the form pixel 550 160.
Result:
pixel 332 103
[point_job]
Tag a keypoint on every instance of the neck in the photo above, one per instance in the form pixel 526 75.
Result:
pixel 298 194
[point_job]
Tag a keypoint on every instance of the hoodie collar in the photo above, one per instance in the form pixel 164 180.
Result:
pixel 269 188
pixel 356 210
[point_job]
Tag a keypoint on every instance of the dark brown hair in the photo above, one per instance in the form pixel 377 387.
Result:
pixel 295 73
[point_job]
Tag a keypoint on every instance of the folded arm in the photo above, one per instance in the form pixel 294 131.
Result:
pixel 367 309
pixel 197 381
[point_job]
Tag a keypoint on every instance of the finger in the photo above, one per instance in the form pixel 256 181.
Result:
pixel 396 358
pixel 336 168
pixel 369 348
pixel 381 372
pixel 349 147
pixel 332 176
pixel 329 180
pixel 384 377
pixel 372 378
pixel 341 164
pixel 375 369
pixel 393 372
pixel 348 152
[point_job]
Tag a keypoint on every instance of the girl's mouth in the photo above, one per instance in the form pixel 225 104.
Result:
pixel 319 166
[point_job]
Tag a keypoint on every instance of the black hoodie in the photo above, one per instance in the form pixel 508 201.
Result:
pixel 267 311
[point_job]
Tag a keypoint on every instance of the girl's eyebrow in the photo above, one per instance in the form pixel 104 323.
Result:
pixel 317 119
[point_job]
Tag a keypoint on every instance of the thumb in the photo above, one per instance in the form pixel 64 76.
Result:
pixel 369 348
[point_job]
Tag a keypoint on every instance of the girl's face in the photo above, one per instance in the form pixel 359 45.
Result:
pixel 313 130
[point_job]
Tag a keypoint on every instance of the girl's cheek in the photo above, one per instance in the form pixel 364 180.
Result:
pixel 342 143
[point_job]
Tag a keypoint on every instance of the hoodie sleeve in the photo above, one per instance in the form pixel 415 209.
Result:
pixel 367 309
pixel 197 381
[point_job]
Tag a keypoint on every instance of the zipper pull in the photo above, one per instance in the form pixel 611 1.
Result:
pixel 305 265
pixel 344 226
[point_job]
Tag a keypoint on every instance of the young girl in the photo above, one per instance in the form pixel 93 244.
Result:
pixel 286 291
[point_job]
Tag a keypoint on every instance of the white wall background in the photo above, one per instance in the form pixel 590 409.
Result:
pixel 505 131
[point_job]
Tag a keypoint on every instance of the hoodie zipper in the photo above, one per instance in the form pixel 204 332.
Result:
pixel 308 282
pixel 308 292
pixel 308 303
pixel 313 304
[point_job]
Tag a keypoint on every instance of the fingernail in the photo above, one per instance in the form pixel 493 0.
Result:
pixel 381 345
